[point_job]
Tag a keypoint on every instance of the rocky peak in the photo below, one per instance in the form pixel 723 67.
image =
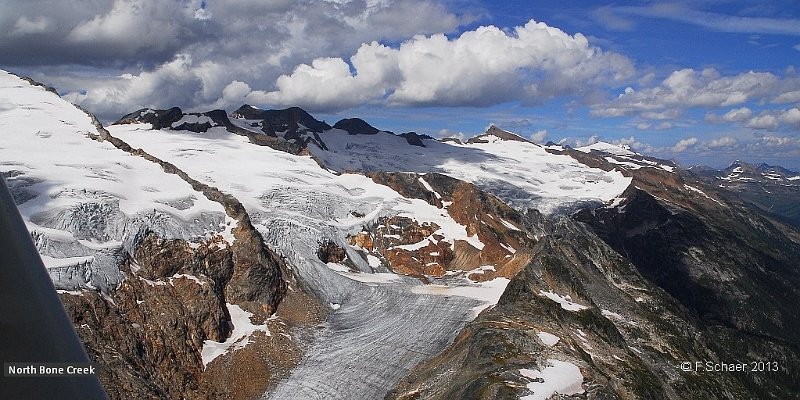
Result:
pixel 763 172
pixel 290 129
pixel 498 133
pixel 175 119
pixel 202 122
pixel 740 166
pixel 356 126
pixel 158 118
pixel 415 139
pixel 248 112
pixel 285 120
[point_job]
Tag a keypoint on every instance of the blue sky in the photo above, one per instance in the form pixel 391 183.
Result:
pixel 695 81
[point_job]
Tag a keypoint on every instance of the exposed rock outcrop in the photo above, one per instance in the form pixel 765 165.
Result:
pixel 356 126
pixel 148 334
pixel 415 139
pixel 498 133
pixel 293 125
pixel 174 298
pixel 291 119
pixel 579 303
pixel 497 226
pixel 160 119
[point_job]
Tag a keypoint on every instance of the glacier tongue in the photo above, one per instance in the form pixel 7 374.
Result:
pixel 372 341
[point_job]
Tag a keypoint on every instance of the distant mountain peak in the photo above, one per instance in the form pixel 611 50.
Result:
pixel 498 133
pixel 415 139
pixel 356 126
pixel 158 118
pixel 283 120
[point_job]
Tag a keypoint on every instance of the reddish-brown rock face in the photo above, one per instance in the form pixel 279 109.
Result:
pixel 408 247
pixel 148 335
pixel 329 252
pixel 412 248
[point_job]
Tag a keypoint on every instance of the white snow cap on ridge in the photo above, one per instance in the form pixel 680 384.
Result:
pixel 522 174
pixel 605 147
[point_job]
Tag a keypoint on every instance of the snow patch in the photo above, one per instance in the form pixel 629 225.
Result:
pixel 373 261
pixel 548 339
pixel 508 248
pixel 243 328
pixel 186 276
pixel 559 377
pixel 565 301
pixel 628 164
pixel 696 190
pixel 488 292
pixel 607 148
pixel 429 188
pixel 611 314
pixel 508 225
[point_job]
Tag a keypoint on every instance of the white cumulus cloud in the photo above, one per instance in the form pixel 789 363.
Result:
pixel 684 144
pixel 691 88
pixel 488 65
pixel 721 142
pixel 216 42
pixel 737 115
pixel 539 136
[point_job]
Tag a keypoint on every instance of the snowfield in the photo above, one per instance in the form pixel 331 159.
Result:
pixel 83 200
pixel 522 174
pixel 381 324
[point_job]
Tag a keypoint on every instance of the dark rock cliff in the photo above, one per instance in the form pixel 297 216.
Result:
pixel 674 271
pixel 628 339
pixel 356 126
pixel 148 333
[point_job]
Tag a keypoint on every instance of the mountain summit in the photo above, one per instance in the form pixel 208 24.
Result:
pixel 356 126
pixel 290 119
pixel 494 131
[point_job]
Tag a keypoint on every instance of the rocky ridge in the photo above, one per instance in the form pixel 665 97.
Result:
pixel 173 289
pixel 672 271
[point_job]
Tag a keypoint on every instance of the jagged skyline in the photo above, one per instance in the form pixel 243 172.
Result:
pixel 700 81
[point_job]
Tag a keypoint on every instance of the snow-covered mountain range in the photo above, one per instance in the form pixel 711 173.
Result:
pixel 266 253
pixel 772 189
